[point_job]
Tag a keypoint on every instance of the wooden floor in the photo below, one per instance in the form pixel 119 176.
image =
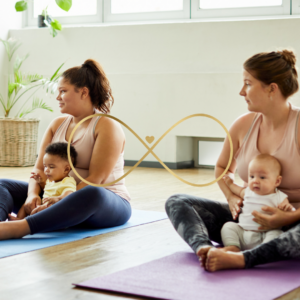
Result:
pixel 49 273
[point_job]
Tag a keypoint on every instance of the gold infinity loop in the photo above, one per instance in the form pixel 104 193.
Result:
pixel 150 150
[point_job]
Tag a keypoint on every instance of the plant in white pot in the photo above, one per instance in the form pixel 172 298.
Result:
pixel 18 135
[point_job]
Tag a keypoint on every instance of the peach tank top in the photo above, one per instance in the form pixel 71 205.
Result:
pixel 287 153
pixel 84 146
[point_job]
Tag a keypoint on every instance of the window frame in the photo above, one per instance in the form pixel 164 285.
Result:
pixel 145 16
pixel 295 7
pixel 190 11
pixel 90 19
pixel 197 13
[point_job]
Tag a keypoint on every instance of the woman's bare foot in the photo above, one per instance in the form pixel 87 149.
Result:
pixel 220 260
pixel 202 254
pixel 14 230
pixel 231 249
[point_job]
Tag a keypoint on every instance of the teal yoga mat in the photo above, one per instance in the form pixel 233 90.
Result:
pixel 44 240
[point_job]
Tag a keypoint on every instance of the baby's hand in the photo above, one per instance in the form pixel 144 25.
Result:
pixel 48 201
pixel 227 180
pixel 286 206
pixel 37 177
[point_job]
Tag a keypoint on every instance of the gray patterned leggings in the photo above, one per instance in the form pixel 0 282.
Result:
pixel 198 221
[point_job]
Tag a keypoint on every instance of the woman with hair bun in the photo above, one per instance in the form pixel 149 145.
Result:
pixel 99 142
pixel 271 127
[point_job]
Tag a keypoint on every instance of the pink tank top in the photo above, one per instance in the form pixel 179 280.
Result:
pixel 84 146
pixel 288 154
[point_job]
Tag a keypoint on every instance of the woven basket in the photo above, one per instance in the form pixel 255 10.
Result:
pixel 18 142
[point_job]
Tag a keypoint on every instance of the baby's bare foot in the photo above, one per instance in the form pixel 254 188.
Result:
pixel 219 260
pixel 232 249
pixel 13 218
pixel 202 254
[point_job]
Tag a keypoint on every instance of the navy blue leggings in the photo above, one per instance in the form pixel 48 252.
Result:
pixel 92 207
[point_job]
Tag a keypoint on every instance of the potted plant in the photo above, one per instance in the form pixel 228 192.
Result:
pixel 44 19
pixel 18 138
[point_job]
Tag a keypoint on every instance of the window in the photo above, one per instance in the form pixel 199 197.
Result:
pixel 238 8
pixel 209 4
pixel 79 12
pixel 296 7
pixel 98 11
pixel 138 6
pixel 139 10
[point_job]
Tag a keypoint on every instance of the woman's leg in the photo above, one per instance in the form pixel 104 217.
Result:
pixel 13 194
pixel 286 246
pixel 95 207
pixel 197 220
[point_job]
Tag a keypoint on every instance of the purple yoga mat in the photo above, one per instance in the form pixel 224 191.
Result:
pixel 180 277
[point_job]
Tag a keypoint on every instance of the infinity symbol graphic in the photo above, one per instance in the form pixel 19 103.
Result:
pixel 150 150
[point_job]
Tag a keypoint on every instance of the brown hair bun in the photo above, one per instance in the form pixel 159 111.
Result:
pixel 289 56
pixel 275 67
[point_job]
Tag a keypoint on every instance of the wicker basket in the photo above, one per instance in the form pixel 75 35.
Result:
pixel 18 142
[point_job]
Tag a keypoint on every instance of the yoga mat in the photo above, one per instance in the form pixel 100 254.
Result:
pixel 180 277
pixel 44 240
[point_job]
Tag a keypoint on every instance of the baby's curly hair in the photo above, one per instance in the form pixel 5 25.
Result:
pixel 60 149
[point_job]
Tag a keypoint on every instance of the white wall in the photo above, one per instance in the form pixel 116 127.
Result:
pixel 161 73
pixel 9 19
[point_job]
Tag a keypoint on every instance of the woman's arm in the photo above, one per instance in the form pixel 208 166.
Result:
pixel 237 132
pixel 109 144
pixel 34 189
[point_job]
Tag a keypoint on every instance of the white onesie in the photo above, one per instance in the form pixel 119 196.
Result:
pixel 253 202
pixel 245 234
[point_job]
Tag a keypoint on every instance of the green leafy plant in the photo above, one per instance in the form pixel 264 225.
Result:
pixel 19 85
pixel 54 24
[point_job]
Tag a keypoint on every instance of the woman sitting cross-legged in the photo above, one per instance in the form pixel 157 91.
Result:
pixel 99 142
pixel 271 127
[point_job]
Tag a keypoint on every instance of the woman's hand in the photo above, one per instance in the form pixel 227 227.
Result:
pixel 51 200
pixel 235 204
pixel 48 201
pixel 31 203
pixel 275 218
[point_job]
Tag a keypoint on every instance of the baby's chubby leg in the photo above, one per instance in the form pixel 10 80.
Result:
pixel 232 236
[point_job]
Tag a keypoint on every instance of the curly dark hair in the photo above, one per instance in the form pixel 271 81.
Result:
pixel 60 149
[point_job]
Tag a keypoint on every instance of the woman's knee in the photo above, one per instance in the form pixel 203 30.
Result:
pixel 175 202
pixel 179 202
pixel 4 182
pixel 94 194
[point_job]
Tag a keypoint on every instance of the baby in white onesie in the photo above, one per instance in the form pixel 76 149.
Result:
pixel 263 179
